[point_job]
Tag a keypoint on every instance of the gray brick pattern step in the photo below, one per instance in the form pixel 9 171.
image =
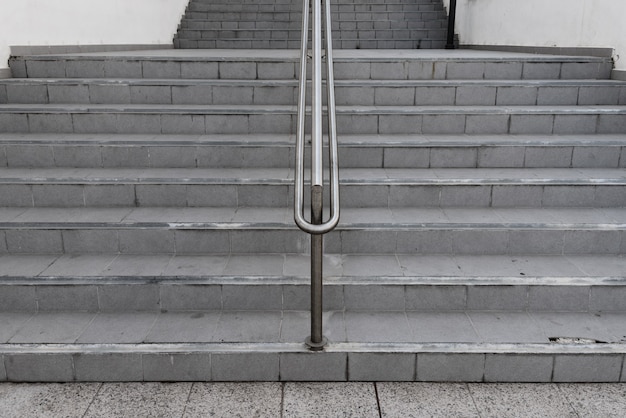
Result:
pixel 271 25
pixel 145 217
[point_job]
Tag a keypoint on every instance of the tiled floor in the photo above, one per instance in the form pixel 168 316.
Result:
pixel 388 399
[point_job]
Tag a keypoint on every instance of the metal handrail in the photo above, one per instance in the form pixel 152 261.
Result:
pixel 317 226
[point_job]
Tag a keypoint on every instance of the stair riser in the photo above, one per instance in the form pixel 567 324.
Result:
pixel 201 24
pixel 100 293
pixel 294 35
pixel 245 156
pixel 198 122
pixel 297 7
pixel 353 196
pixel 423 364
pixel 473 241
pixel 344 70
pixel 285 93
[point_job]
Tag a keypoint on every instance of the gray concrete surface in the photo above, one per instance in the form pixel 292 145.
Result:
pixel 314 399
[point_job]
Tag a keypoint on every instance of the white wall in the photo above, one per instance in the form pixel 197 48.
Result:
pixel 87 22
pixel 548 23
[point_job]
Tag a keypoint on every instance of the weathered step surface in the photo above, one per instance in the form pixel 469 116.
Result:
pixel 50 150
pixel 386 188
pixel 283 64
pixel 285 92
pixel 281 119
pixel 254 230
pixel 266 346
pixel 275 25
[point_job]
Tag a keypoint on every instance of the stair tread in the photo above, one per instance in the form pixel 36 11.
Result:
pixel 293 269
pixel 397 176
pixel 472 328
pixel 339 55
pixel 346 140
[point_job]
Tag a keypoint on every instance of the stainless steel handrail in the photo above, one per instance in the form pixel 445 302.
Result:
pixel 316 226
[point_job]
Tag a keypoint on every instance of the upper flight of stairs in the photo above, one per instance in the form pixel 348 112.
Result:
pixel 364 24
pixel 146 230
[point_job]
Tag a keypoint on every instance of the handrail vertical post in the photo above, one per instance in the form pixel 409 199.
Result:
pixel 451 23
pixel 317 227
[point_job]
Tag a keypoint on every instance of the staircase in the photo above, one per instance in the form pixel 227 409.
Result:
pixel 364 24
pixel 146 231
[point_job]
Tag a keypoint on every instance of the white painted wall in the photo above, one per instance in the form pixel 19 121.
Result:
pixel 87 22
pixel 560 23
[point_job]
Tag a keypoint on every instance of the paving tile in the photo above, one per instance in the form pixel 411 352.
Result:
pixel 182 297
pixel 252 297
pixel 79 265
pixel 11 323
pixel 119 328
pixel 39 367
pixel 108 367
pixel 248 326
pixel 378 327
pixel 497 298
pixel 392 367
pixel 67 298
pixel 140 399
pixel 186 367
pixel 313 366
pixel 47 400
pixel 184 327
pixel 514 400
pixel 18 299
pixel 245 367
pixel 234 399
pixel 518 368
pixel 442 327
pixel 374 298
pixel 137 265
pixel 128 297
pixel 615 324
pixel 435 367
pixel 573 325
pixel 587 368
pixel 53 328
pixel 425 400
pixel 507 327
pixel 371 265
pixel 296 326
pixel 266 265
pixel 327 399
pixel 602 400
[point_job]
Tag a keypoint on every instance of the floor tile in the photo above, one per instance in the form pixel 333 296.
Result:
pixel 425 400
pixel 372 265
pixel 378 327
pixel 442 327
pixel 181 265
pixel 137 265
pixel 46 400
pixel 140 399
pixel 248 326
pixel 120 328
pixel 507 327
pixel 53 328
pixel 296 326
pixel 12 322
pixel 329 400
pixel 234 399
pixel 184 327
pixel 515 400
pixel 75 265
pixel 266 265
pixel 25 265
pixel 425 266
pixel 596 400
pixel 573 325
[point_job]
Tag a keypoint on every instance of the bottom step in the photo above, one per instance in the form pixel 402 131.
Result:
pixel 267 346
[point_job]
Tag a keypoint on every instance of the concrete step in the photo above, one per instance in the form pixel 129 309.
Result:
pixel 345 24
pixel 281 119
pixel 367 283
pixel 270 230
pixel 274 151
pixel 297 6
pixel 266 346
pixel 283 64
pixel 295 35
pixel 285 92
pixel 372 188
